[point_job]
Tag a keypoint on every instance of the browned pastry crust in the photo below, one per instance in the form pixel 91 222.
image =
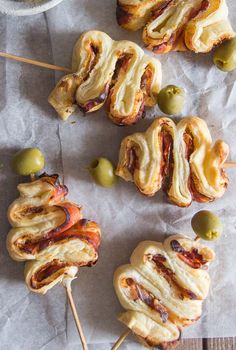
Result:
pixel 179 158
pixel 117 73
pixel 133 15
pixel 50 233
pixel 196 25
pixel 163 288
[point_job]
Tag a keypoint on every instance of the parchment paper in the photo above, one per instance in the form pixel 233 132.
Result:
pixel 29 321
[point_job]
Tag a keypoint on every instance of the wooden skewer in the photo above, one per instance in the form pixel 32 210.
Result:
pixel 121 339
pixel 64 69
pixel 229 165
pixel 32 177
pixel 34 62
pixel 67 285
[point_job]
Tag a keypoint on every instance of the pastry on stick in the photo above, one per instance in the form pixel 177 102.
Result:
pixel 162 289
pixel 117 73
pixel 196 25
pixel 50 233
pixel 180 158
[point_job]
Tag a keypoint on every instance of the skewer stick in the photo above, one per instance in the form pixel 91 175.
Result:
pixel 67 285
pixel 64 69
pixel 32 177
pixel 35 62
pixel 229 165
pixel 121 339
pixel 68 70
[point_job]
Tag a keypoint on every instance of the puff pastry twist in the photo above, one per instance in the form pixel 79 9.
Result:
pixel 50 234
pixel 180 158
pixel 196 25
pixel 105 70
pixel 163 288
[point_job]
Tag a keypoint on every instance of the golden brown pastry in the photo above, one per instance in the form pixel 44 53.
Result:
pixel 163 288
pixel 116 72
pixel 50 233
pixel 180 158
pixel 196 25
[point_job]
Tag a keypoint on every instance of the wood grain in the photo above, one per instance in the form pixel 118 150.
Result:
pixel 221 344
pixel 34 62
pixel 208 344
pixel 190 344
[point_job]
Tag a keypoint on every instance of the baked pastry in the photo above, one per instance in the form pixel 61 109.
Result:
pixel 180 158
pixel 196 25
pixel 50 233
pixel 163 288
pixel 116 72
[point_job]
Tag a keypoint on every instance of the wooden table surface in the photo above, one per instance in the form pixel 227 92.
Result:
pixel 208 344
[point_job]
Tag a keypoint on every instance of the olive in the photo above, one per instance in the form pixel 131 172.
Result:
pixel 28 161
pixel 103 172
pixel 171 99
pixel 207 225
pixel 225 56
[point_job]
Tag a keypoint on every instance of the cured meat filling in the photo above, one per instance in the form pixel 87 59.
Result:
pixel 159 10
pixel 52 270
pixel 164 171
pixel 169 275
pixel 146 81
pixel 167 165
pixel 47 271
pixel 34 246
pixel 94 57
pixel 122 66
pixel 191 258
pixel 166 162
pixel 132 160
pixel 138 292
pixel 203 7
pixel 192 182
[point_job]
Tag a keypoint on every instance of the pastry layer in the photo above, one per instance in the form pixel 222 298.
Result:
pixel 180 158
pixel 117 73
pixel 50 234
pixel 196 25
pixel 163 288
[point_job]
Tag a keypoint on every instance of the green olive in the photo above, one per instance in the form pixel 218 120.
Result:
pixel 171 99
pixel 28 161
pixel 103 172
pixel 225 56
pixel 207 225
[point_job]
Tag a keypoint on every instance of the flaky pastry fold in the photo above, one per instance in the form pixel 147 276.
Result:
pixel 162 289
pixel 50 233
pixel 196 25
pixel 180 158
pixel 117 73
